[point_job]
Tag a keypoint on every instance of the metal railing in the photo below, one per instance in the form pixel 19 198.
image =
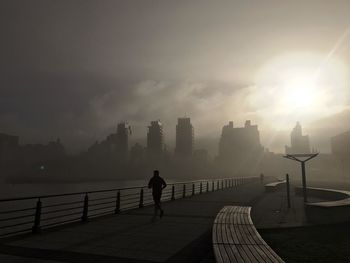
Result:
pixel 34 213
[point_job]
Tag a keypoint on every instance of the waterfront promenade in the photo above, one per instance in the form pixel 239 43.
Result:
pixel 182 235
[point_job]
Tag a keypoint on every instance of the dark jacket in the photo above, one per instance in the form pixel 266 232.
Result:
pixel 157 184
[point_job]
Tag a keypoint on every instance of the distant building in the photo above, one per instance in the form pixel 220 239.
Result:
pixel 299 143
pixel 8 147
pixel 115 146
pixel 240 146
pixel 200 156
pixel 38 153
pixel 122 140
pixel 155 138
pixel 137 154
pixel 184 137
pixel 340 144
pixel 236 141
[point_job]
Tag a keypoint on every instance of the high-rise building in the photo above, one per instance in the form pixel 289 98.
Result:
pixel 238 141
pixel 240 148
pixel 184 137
pixel 299 143
pixel 155 138
pixel 122 140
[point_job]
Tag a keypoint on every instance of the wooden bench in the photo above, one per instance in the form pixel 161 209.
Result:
pixel 235 238
pixel 274 186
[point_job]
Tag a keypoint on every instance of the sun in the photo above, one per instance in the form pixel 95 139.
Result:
pixel 299 92
pixel 299 87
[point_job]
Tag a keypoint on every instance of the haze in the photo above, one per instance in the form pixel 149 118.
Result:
pixel 73 69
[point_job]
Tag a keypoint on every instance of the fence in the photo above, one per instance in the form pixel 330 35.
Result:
pixel 34 213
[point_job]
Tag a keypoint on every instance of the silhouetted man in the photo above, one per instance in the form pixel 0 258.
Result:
pixel 157 184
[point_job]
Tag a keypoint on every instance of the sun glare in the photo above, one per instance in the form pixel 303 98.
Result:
pixel 299 92
pixel 299 87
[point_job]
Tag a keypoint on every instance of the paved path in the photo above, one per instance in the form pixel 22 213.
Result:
pixel 182 235
pixel 271 210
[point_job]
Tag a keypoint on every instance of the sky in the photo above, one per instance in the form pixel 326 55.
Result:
pixel 74 69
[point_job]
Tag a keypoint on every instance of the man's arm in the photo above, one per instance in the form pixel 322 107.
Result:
pixel 163 184
pixel 150 183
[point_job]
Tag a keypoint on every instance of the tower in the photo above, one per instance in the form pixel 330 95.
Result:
pixel 155 138
pixel 122 140
pixel 184 137
pixel 299 143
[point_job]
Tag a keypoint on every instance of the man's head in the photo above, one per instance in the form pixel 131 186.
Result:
pixel 156 173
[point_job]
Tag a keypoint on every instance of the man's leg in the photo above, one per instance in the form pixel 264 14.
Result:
pixel 156 201
pixel 160 207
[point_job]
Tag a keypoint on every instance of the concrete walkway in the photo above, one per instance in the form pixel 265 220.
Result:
pixel 182 235
pixel 271 210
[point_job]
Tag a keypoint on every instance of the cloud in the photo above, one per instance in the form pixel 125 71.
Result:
pixel 83 108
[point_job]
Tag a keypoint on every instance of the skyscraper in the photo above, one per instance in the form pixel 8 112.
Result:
pixel 155 138
pixel 240 148
pixel 122 140
pixel 239 141
pixel 299 143
pixel 184 137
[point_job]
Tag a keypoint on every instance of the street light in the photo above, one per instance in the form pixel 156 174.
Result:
pixel 302 159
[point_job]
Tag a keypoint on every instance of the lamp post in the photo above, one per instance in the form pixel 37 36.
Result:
pixel 302 159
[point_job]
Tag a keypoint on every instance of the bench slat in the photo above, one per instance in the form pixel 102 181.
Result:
pixel 243 253
pixel 265 257
pixel 272 254
pixel 234 254
pixel 235 239
pixel 217 253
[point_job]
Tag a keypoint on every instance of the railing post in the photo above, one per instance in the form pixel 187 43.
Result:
pixel 184 191
pixel 192 189
pixel 288 191
pixel 36 226
pixel 222 184
pixel 173 192
pixel 212 186
pixel 84 218
pixel 141 198
pixel 117 204
pixel 200 188
pixel 217 185
pixel 207 186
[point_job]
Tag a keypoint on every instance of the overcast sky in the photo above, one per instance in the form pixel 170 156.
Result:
pixel 74 69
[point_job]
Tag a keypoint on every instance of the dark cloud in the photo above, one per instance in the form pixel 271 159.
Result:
pixel 75 68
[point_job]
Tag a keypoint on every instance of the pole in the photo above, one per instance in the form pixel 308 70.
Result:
pixel 84 218
pixel 288 192
pixel 36 227
pixel 304 181
pixel 117 203
pixel 173 192
pixel 141 198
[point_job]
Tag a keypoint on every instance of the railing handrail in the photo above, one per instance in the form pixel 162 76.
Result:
pixel 46 214
pixel 109 190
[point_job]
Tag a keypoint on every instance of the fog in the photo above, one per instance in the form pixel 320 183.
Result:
pixel 75 69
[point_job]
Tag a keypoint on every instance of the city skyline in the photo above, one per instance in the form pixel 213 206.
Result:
pixel 75 76
pixel 154 139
